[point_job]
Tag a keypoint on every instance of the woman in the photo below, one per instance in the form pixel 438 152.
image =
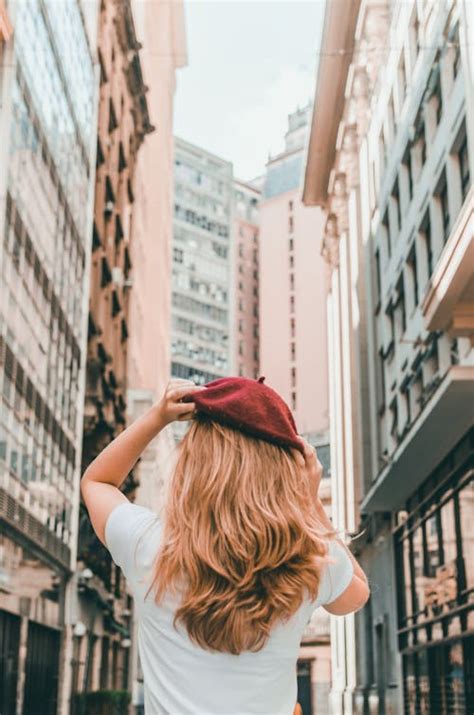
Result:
pixel 225 585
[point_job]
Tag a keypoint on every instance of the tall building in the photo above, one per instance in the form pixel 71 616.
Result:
pixel 293 353
pixel 293 344
pixel 246 279
pixel 201 265
pixel 101 651
pixel 160 26
pixel 48 99
pixel 391 160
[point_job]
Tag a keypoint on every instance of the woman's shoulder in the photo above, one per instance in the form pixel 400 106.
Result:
pixel 133 534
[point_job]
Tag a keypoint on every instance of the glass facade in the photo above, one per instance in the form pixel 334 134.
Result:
pixel 201 271
pixel 435 572
pixel 45 241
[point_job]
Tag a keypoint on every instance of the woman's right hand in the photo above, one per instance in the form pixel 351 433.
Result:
pixel 313 466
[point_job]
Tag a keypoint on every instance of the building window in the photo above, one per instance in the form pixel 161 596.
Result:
pixel 434 572
pixel 290 224
pixel 292 303
pixel 443 201
pixel 290 205
pixel 378 284
pixel 293 400
pixel 425 233
pixel 291 244
pixel 407 163
pixel 463 159
pixel 434 93
pixel 293 351
pixel 293 377
pixel 293 327
pixel 396 202
pixel 391 118
pixel 241 250
pixel 113 124
pixel 402 81
pixel 420 140
pixel 400 304
pixel 292 281
pixel 386 231
pixel 454 39
pixel 394 419
pixel 413 273
pixel 292 261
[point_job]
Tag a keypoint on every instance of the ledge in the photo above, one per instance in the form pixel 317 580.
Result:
pixel 447 416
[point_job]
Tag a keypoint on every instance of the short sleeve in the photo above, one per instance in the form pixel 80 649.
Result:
pixel 123 529
pixel 337 574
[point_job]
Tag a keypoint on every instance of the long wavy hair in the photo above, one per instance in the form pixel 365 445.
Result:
pixel 242 544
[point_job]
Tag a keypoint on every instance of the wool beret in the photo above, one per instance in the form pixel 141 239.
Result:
pixel 249 406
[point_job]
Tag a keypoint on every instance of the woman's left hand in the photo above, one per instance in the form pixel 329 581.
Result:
pixel 314 468
pixel 171 408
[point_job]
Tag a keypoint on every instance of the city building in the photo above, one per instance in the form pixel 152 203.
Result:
pixel 160 26
pixel 48 100
pixel 246 278
pixel 293 354
pixel 293 345
pixel 391 160
pixel 101 649
pixel 202 277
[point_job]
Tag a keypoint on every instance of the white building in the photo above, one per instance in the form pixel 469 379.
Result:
pixel 201 274
pixel 391 161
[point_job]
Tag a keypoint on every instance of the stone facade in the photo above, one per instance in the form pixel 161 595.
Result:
pixel 398 242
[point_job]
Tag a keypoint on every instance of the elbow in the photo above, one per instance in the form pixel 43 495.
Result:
pixel 363 599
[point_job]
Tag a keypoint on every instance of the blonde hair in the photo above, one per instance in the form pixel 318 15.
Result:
pixel 242 544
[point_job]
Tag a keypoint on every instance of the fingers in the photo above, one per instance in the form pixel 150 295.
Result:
pixel 181 391
pixel 309 451
pixel 182 408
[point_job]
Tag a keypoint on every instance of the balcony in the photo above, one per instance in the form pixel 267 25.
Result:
pixel 447 416
pixel 449 301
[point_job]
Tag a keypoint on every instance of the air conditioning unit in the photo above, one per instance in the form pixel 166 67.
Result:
pixel 109 208
pixel 117 276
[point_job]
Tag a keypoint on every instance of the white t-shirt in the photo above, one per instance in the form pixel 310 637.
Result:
pixel 180 678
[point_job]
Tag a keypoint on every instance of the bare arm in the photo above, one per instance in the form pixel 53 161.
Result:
pixel 357 593
pixel 100 485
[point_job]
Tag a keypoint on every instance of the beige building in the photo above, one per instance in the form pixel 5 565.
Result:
pixel 391 162
pixel 246 279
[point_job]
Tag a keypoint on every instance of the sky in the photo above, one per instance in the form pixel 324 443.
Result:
pixel 250 63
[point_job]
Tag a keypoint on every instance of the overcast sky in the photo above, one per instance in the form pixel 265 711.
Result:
pixel 249 65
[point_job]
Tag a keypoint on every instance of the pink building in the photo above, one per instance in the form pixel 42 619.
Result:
pixel 293 353
pixel 246 279
pixel 160 27
pixel 293 347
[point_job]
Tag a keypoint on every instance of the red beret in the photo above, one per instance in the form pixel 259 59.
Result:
pixel 249 406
